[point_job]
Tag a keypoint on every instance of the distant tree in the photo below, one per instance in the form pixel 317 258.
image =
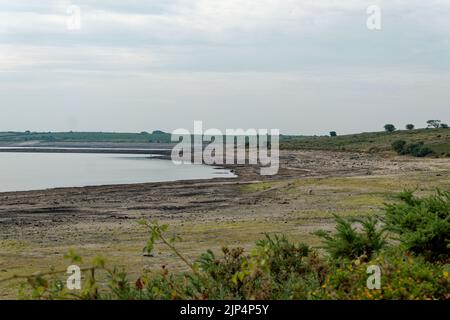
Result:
pixel 389 128
pixel 144 132
pixel 434 123
pixel 158 132
pixel 28 132
pixel 333 134
pixel 444 125
pixel 409 126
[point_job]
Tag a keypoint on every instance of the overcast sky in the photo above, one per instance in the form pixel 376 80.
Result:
pixel 302 66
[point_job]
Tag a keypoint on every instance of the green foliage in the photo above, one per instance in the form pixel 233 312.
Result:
pixel 422 224
pixel 444 126
pixel 399 146
pixel 434 123
pixel 333 134
pixel 417 149
pixel 349 243
pixel 409 126
pixel 402 277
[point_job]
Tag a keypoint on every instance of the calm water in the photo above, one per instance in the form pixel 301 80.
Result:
pixel 34 171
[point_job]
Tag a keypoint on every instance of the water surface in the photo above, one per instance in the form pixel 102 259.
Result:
pixel 35 171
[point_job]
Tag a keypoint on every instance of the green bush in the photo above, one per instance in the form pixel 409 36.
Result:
pixel 399 146
pixel 422 224
pixel 349 243
pixel 418 149
pixel 402 277
pixel 415 149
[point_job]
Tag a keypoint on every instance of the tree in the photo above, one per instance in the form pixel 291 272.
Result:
pixel 333 134
pixel 434 123
pixel 409 126
pixel 444 125
pixel 389 128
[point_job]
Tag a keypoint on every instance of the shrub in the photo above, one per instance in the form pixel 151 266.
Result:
pixel 409 126
pixel 444 125
pixel 422 224
pixel 415 149
pixel 418 149
pixel 399 146
pixel 348 243
pixel 402 277
pixel 333 134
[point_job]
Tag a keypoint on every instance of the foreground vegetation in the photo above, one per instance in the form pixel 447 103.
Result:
pixel 409 243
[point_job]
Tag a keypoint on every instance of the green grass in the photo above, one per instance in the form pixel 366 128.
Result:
pixel 437 139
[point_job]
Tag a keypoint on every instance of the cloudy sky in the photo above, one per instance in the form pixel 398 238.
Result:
pixel 303 66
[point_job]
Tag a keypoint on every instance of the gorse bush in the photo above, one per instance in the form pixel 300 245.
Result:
pixel 277 268
pixel 348 242
pixel 402 277
pixel 399 146
pixel 415 149
pixel 422 224
pixel 418 149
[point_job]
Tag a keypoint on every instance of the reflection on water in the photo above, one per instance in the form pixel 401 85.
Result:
pixel 33 171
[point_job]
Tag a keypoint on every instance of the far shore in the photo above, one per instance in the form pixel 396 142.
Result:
pixel 161 152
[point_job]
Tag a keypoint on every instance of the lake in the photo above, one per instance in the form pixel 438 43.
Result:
pixel 35 171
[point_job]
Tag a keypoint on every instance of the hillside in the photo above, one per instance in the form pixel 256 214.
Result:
pixel 437 139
